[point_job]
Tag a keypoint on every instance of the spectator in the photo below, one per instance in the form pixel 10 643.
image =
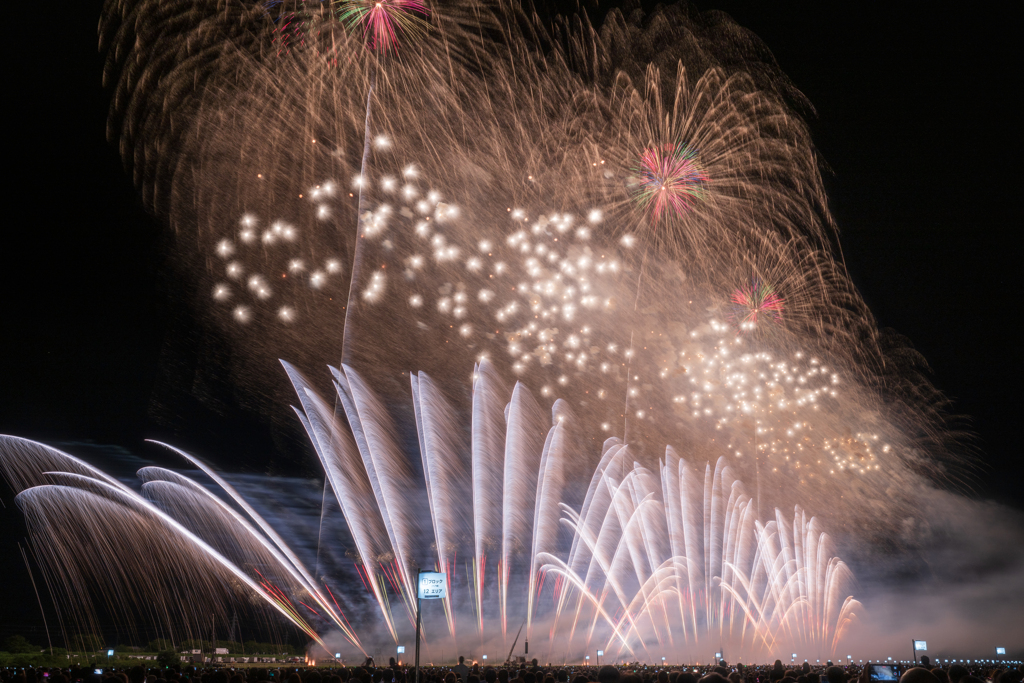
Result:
pixel 918 675
pixel 461 670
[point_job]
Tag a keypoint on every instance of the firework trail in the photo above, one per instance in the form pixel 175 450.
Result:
pixel 380 22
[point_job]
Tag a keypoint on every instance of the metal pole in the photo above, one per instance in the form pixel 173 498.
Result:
pixel 418 626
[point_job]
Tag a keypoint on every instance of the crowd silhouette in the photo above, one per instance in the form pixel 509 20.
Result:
pixel 520 672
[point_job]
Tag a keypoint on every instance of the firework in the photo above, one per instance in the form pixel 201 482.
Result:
pixel 670 180
pixel 382 21
pixel 577 587
pixel 528 237
pixel 537 295
pixel 221 546
pixel 274 266
pixel 756 301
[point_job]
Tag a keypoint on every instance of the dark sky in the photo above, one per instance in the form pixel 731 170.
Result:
pixel 917 121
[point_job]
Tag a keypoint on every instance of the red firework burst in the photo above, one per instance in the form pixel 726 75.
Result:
pixel 671 179
pixel 754 301
pixel 383 20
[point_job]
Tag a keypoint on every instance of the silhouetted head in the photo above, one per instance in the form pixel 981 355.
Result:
pixel 918 675
pixel 956 672
pixel 835 674
pixel 714 677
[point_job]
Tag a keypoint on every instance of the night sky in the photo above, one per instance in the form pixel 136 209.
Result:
pixel 916 121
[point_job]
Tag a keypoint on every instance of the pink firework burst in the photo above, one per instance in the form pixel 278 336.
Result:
pixel 671 179
pixel 754 301
pixel 382 21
